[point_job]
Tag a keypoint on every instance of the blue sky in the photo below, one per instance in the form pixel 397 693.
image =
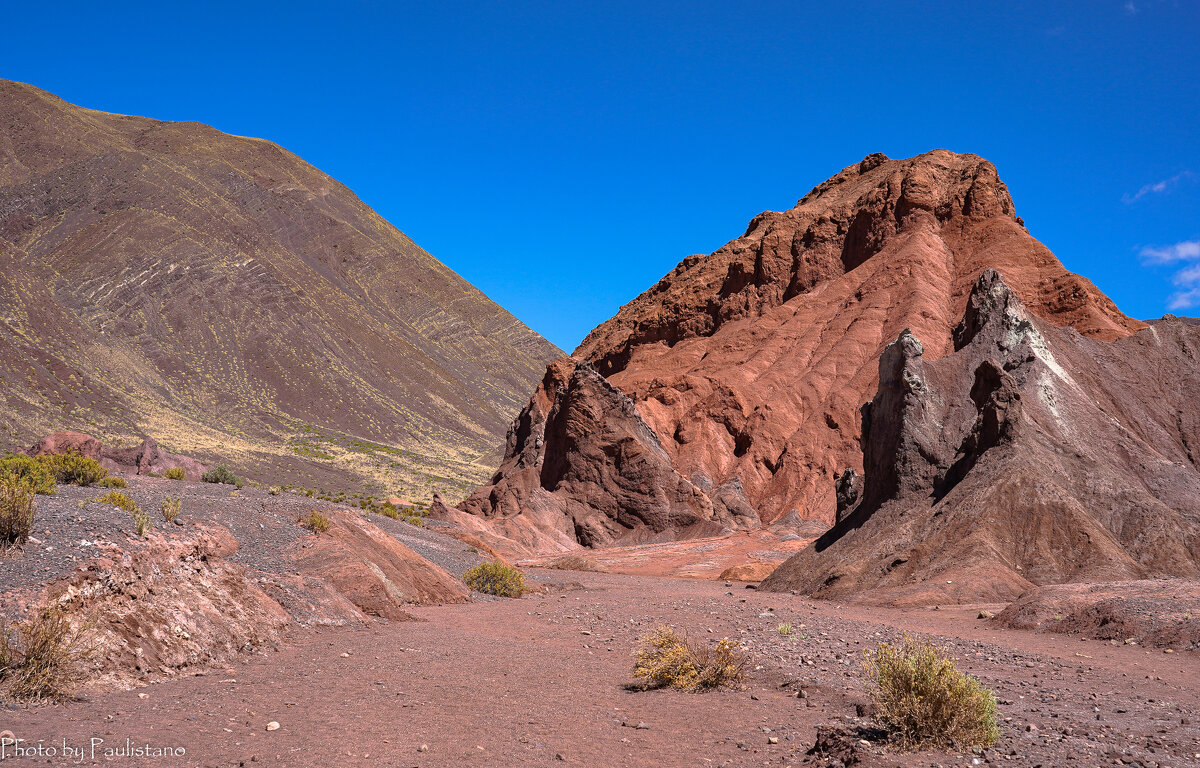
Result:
pixel 564 156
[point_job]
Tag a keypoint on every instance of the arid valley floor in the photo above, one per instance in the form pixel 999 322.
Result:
pixel 542 680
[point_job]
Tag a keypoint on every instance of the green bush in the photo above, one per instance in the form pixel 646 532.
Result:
pixel 221 474
pixel 496 578
pixel 72 469
pixel 668 660
pixel 922 697
pixel 17 509
pixel 113 482
pixel 117 499
pixel 171 507
pixel 175 473
pixel 32 469
pixel 48 657
pixel 141 522
pixel 315 522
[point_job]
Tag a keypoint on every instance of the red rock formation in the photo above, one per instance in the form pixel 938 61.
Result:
pixel 143 459
pixel 66 442
pixel 749 366
pixel 1031 455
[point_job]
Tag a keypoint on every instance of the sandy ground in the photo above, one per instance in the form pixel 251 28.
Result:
pixel 540 681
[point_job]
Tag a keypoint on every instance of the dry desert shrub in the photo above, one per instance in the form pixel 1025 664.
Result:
pixel 496 578
pixel 117 499
pixel 924 700
pixel 315 522
pixel 175 473
pixel 141 522
pixel 47 658
pixel 31 469
pixel 17 508
pixel 221 474
pixel 72 469
pixel 574 563
pixel 113 482
pixel 668 659
pixel 171 507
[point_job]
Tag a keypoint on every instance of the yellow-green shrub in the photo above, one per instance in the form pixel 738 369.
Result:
pixel 141 522
pixel 496 578
pixel 922 697
pixel 72 469
pixel 17 508
pixel 171 507
pixel 30 468
pixel 175 473
pixel 117 499
pixel 113 482
pixel 315 522
pixel 668 660
pixel 221 474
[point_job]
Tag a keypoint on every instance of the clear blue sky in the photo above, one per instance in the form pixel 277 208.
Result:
pixel 563 156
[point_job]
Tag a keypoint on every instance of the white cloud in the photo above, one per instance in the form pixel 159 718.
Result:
pixel 1156 188
pixel 1189 276
pixel 1130 8
pixel 1188 250
pixel 1184 299
pixel 1187 279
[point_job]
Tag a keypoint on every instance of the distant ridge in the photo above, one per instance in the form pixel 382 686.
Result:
pixel 233 302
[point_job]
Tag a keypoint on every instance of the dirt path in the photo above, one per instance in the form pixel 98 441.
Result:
pixel 539 682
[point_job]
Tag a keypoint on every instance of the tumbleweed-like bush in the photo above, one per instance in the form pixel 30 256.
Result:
pixel 668 659
pixel 924 700
pixel 496 578
pixel 47 658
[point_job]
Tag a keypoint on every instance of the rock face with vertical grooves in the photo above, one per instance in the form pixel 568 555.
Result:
pixel 235 303
pixel 750 365
pixel 1030 455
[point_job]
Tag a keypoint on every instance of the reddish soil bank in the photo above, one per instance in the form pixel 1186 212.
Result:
pixel 540 682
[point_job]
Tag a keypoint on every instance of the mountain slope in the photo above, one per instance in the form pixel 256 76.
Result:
pixel 234 302
pixel 750 365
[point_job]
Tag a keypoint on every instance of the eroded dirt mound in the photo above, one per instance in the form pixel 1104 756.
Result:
pixel 172 602
pixel 1162 613
pixel 373 570
pixel 750 365
pixel 1031 455
pixel 231 575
